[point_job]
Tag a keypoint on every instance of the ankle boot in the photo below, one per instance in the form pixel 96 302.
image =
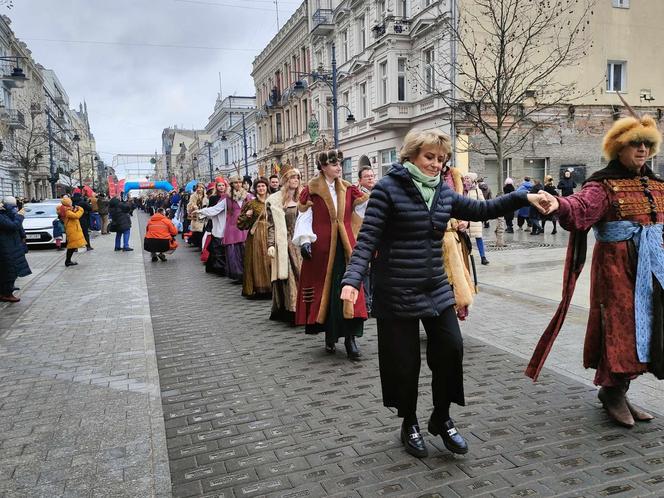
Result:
pixel 615 404
pixel 351 349
pixel 484 260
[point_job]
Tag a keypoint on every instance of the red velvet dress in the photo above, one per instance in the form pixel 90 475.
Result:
pixel 610 343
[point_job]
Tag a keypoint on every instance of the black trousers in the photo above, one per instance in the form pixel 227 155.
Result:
pixel 399 360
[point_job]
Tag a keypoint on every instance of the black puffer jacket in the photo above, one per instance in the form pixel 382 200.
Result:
pixel 409 279
pixel 120 214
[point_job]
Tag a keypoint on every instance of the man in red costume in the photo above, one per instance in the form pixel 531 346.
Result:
pixel 331 211
pixel 624 205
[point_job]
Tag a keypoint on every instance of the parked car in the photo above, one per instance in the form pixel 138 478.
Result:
pixel 38 222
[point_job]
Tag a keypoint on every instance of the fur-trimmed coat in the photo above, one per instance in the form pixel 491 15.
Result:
pixel 280 262
pixel 330 227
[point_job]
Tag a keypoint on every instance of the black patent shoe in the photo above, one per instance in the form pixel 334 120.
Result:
pixel 452 440
pixel 330 348
pixel 413 442
pixel 351 349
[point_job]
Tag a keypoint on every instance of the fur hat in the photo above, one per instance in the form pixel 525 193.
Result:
pixel 630 129
pixel 235 178
pixel 472 175
pixel 330 157
pixel 9 200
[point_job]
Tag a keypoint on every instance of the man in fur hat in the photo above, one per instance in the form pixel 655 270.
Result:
pixel 624 205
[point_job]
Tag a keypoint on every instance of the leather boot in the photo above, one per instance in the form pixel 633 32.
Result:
pixel 637 413
pixel 330 347
pixel 351 349
pixel 615 404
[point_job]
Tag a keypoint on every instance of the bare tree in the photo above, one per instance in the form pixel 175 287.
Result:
pixel 509 65
pixel 27 146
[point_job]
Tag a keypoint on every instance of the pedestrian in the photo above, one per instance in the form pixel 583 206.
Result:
pixel 197 201
pixel 566 185
pixel 75 237
pixel 285 257
pixel 624 205
pixel 216 213
pixel 486 192
pixel 159 235
pixel 120 213
pixel 534 215
pixel 275 185
pixel 471 190
pixel 404 225
pixel 79 200
pixel 234 237
pixel 331 210
pixel 366 182
pixel 58 232
pixel 12 249
pixel 508 188
pixel 102 209
pixel 553 217
pixel 256 283
pixel 523 214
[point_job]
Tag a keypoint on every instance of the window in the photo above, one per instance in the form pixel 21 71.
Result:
pixel 387 157
pixel 621 4
pixel 402 8
pixel 226 156
pixel 319 58
pixel 380 10
pixel 328 114
pixel 347 169
pixel 429 80
pixel 382 71
pixel 362 32
pixel 401 79
pixel 344 45
pixel 363 100
pixel 288 125
pixel 345 98
pixel 616 76
pixel 296 119
pixel 280 136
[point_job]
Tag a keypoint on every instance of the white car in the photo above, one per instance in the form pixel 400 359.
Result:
pixel 38 222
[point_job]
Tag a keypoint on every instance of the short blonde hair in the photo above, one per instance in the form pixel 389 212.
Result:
pixel 416 139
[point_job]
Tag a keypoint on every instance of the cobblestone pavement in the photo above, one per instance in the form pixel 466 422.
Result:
pixel 80 413
pixel 254 408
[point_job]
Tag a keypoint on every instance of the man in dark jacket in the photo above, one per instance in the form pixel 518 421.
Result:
pixel 12 250
pixel 82 202
pixel 121 223
pixel 102 206
pixel 566 184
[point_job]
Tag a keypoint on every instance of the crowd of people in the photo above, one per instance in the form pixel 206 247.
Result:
pixel 330 253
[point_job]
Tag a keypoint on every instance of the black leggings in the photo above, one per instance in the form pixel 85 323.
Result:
pixel 70 253
pixel 399 361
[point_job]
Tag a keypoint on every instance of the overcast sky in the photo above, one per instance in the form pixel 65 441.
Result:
pixel 143 65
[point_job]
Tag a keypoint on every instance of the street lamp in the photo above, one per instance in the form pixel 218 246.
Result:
pixel 194 165
pixel 76 138
pixel 331 79
pixel 223 138
pixel 208 144
pixel 17 78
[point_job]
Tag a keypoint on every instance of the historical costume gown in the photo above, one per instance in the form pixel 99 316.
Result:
pixel 256 278
pixel 234 237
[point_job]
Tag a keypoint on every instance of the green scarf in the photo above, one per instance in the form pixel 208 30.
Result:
pixel 425 184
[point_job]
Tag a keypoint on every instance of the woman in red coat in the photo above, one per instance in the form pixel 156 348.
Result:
pixel 331 211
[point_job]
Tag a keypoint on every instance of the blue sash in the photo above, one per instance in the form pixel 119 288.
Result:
pixel 648 240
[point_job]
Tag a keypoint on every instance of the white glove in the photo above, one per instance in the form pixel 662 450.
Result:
pixel 271 252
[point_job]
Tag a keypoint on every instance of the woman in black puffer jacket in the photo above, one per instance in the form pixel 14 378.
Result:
pixel 404 225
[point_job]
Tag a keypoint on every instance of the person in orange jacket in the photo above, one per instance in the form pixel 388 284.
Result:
pixel 158 235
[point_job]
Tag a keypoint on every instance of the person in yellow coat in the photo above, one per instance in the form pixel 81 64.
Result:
pixel 75 239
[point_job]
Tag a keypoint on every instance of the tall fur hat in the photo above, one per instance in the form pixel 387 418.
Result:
pixel 629 129
pixel 330 157
pixel 633 128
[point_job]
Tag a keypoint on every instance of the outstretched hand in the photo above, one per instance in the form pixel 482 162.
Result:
pixel 544 202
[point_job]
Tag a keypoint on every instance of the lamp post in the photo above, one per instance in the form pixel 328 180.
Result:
pixel 208 144
pixel 77 139
pixel 331 79
pixel 53 174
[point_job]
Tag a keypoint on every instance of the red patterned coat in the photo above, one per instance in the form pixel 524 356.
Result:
pixel 330 226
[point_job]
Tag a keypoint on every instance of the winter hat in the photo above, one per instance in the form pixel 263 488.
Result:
pixel 9 200
pixel 235 178
pixel 630 129
pixel 66 201
pixel 509 181
pixel 471 175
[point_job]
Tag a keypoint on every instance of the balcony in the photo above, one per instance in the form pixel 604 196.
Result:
pixel 15 119
pixel 323 22
pixel 393 115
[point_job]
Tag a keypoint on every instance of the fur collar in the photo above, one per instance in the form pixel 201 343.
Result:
pixel 319 187
pixel 239 195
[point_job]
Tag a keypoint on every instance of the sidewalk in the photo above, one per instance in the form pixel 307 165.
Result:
pixel 80 413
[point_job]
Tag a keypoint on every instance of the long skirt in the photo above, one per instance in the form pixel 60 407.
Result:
pixel 256 279
pixel 336 326
pixel 216 262
pixel 284 292
pixel 235 261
